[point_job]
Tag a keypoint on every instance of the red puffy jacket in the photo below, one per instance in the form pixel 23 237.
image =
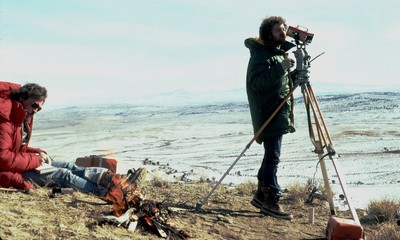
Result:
pixel 15 158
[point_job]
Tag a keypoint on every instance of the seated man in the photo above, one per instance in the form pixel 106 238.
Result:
pixel 18 161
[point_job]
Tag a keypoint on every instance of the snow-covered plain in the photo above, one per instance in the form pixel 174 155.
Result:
pixel 203 140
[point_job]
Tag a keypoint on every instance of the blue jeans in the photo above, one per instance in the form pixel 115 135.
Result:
pixel 269 166
pixel 70 175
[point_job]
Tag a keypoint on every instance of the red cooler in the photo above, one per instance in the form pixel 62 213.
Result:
pixel 343 229
pixel 97 161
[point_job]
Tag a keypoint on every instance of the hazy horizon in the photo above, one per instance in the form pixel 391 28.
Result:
pixel 182 97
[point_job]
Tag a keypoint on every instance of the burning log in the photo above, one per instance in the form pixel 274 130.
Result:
pixel 134 213
pixel 147 217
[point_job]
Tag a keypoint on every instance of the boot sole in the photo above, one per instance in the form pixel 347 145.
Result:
pixel 276 215
pixel 256 203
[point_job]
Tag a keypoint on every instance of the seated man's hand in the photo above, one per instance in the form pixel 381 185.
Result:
pixel 45 158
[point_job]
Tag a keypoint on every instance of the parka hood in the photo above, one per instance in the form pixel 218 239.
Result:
pixel 6 88
pixel 6 103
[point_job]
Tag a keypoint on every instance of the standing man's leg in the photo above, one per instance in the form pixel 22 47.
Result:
pixel 267 173
pixel 269 190
pixel 269 166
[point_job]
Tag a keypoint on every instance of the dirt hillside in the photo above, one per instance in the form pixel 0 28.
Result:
pixel 228 215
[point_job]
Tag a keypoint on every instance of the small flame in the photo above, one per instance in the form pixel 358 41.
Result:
pixel 149 220
pixel 108 153
pixel 150 210
pixel 123 195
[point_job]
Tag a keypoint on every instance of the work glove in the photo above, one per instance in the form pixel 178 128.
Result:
pixel 45 158
pixel 287 63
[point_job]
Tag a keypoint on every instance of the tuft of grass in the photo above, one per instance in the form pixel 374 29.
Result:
pixel 297 193
pixel 384 209
pixel 247 188
pixel 203 178
pixel 385 231
pixel 300 193
pixel 157 181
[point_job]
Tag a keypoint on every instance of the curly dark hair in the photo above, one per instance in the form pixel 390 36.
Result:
pixel 29 90
pixel 268 23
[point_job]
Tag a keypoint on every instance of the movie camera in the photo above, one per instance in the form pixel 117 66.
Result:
pixel 300 35
pixel 300 75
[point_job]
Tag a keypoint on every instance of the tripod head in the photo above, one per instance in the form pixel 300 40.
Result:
pixel 302 37
pixel 301 73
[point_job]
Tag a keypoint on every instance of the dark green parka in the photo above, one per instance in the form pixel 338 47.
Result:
pixel 267 84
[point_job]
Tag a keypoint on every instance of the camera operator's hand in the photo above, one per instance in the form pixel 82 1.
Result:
pixel 287 63
pixel 45 158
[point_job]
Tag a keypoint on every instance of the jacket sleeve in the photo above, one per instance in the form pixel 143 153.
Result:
pixel 35 150
pixel 11 160
pixel 264 76
pixel 9 179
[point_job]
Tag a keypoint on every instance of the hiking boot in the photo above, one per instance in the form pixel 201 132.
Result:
pixel 272 208
pixel 136 176
pixel 123 191
pixel 258 198
pixel 105 179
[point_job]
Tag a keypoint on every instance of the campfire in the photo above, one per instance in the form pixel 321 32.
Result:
pixel 131 211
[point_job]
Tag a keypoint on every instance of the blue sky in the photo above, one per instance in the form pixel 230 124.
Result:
pixel 87 51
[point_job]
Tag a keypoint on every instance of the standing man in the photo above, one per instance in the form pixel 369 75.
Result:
pixel 267 84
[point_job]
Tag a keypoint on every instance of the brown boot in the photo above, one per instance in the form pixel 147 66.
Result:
pixel 271 206
pixel 106 178
pixel 258 198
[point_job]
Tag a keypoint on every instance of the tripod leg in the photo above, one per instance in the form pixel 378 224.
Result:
pixel 326 178
pixel 318 110
pixel 344 189
pixel 199 205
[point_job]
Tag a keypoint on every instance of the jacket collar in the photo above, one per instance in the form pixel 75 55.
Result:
pixel 12 111
pixel 255 43
pixel 286 46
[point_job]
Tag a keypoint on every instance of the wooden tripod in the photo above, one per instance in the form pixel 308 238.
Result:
pixel 322 141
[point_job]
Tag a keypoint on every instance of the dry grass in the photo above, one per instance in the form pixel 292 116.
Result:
pixel 385 231
pixel 226 215
pixel 246 189
pixel 300 194
pixel 384 209
pixel 157 181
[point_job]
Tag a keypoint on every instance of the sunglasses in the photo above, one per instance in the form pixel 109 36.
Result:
pixel 36 106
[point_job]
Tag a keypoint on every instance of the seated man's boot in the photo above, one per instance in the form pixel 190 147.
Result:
pixel 258 198
pixel 137 176
pixel 271 206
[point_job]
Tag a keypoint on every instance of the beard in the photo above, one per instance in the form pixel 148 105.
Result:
pixel 279 40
